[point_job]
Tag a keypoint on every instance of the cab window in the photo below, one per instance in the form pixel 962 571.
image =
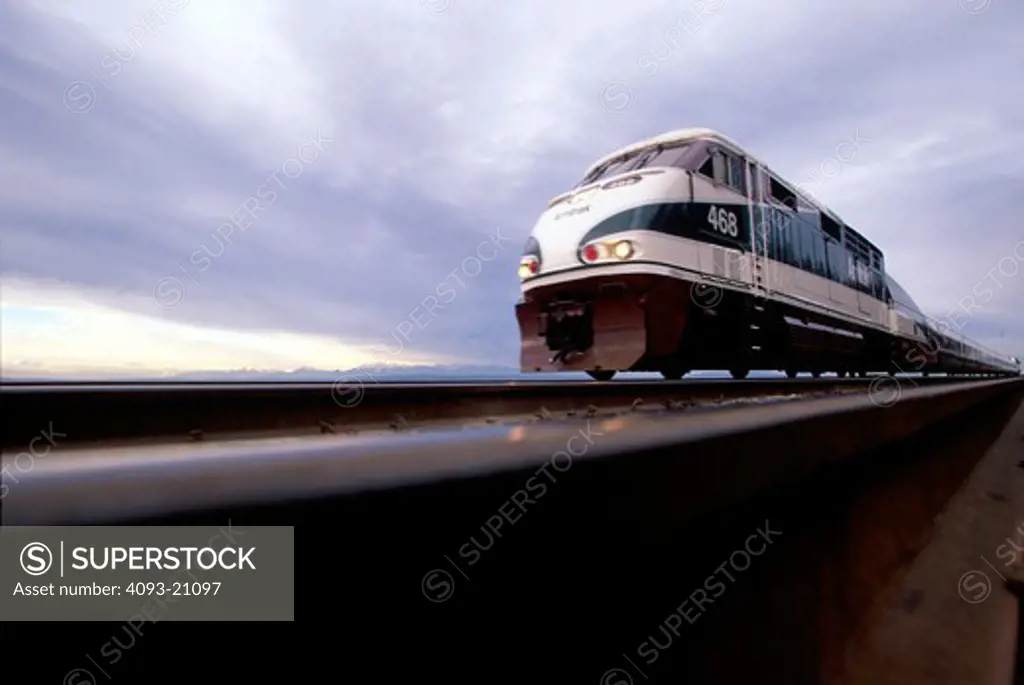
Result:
pixel 662 156
pixel 735 177
pixel 725 169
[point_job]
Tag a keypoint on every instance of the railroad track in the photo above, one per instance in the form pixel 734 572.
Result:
pixel 203 444
pixel 109 413
pixel 638 512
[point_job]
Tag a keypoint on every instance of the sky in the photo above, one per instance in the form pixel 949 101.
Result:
pixel 287 183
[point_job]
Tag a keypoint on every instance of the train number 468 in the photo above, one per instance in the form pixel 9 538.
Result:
pixel 723 221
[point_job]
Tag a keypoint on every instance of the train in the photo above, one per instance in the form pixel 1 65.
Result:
pixel 684 252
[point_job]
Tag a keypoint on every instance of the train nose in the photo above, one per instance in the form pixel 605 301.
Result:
pixel 560 235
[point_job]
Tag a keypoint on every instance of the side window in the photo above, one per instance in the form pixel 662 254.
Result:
pixel 753 180
pixel 781 194
pixel 839 264
pixel 718 166
pixel 830 227
pixel 792 234
pixel 707 168
pixel 806 247
pixel 796 245
pixel 736 174
pixel 778 252
pixel 726 169
pixel 819 255
pixel 832 257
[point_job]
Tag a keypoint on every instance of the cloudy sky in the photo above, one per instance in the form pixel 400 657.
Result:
pixel 216 184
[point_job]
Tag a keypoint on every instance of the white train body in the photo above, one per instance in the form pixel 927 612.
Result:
pixel 685 252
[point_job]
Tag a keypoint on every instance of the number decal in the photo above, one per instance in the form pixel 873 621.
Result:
pixel 723 221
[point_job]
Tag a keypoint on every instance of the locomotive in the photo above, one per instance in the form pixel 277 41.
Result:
pixel 685 252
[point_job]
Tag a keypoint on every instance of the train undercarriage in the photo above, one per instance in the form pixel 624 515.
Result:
pixel 645 322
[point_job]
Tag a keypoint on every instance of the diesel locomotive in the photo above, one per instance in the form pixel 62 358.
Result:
pixel 685 252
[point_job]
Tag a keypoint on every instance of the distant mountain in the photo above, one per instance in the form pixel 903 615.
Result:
pixel 365 374
pixel 453 372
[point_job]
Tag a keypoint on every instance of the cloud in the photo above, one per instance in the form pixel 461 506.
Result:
pixel 108 341
pixel 136 131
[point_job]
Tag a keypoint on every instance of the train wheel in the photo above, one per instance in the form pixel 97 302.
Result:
pixel 601 375
pixel 739 374
pixel 790 373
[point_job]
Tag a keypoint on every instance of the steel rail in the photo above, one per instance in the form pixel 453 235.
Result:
pixel 726 456
pixel 94 412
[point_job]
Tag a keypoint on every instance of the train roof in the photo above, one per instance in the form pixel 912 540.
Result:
pixel 901 296
pixel 684 135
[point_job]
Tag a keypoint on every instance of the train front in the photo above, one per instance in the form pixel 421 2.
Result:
pixel 589 288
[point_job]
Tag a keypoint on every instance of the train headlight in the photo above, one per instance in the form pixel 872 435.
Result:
pixel 528 267
pixel 596 251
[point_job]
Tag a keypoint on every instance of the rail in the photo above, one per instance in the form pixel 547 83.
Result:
pixel 160 412
pixel 763 446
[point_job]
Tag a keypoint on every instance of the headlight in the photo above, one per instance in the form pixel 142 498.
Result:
pixel 596 251
pixel 528 267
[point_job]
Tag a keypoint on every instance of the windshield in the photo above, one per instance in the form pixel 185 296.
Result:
pixel 654 156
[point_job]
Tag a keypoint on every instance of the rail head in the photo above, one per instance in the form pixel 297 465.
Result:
pixel 87 413
pixel 726 456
